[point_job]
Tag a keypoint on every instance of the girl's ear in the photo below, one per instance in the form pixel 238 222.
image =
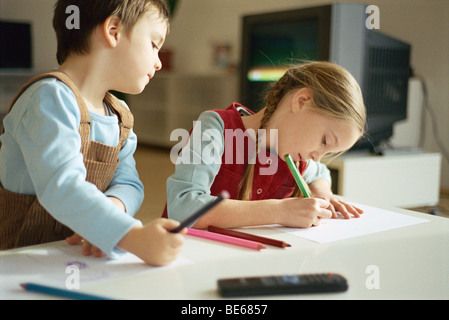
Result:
pixel 301 98
pixel 112 30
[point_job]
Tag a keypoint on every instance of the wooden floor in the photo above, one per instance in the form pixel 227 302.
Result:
pixel 442 209
pixel 155 167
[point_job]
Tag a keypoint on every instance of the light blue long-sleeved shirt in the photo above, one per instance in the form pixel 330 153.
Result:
pixel 188 189
pixel 40 155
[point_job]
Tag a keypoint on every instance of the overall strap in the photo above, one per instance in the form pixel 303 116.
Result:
pixel 126 118
pixel 84 128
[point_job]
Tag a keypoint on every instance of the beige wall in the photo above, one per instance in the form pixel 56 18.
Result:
pixel 200 23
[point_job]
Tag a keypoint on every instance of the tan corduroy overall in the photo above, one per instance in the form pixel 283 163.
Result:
pixel 23 220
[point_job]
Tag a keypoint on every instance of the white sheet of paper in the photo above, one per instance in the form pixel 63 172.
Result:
pixel 49 267
pixel 371 221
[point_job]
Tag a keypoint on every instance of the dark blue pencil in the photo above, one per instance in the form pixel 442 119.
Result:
pixel 63 293
pixel 223 195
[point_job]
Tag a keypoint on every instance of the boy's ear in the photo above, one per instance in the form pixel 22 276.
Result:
pixel 112 30
pixel 300 98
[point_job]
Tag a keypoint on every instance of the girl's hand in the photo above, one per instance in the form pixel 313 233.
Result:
pixel 321 189
pixel 303 213
pixel 346 209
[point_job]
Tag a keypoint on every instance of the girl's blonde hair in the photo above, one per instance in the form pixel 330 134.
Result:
pixel 335 93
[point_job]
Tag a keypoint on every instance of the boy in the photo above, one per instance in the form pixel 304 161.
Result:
pixel 66 159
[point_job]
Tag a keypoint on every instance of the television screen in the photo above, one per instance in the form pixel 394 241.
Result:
pixel 276 45
pixel 273 41
pixel 15 48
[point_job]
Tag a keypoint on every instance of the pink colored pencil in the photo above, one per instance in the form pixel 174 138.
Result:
pixel 225 239
pixel 248 236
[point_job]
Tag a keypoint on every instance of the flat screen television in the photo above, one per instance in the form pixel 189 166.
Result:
pixel 336 33
pixel 15 45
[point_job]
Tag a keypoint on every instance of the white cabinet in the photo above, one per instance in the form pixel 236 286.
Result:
pixel 403 180
pixel 172 101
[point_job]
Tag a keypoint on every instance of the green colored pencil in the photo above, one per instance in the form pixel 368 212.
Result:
pixel 298 178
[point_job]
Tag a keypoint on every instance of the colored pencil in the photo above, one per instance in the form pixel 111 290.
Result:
pixel 298 178
pixel 63 293
pixel 247 236
pixel 225 239
pixel 223 195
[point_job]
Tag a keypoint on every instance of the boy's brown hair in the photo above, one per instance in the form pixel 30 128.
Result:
pixel 95 12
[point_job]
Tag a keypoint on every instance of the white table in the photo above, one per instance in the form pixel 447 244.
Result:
pixel 407 263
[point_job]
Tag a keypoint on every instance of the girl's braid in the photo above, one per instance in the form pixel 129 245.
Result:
pixel 273 99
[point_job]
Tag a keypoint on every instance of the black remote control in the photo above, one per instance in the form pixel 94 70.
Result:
pixel 285 284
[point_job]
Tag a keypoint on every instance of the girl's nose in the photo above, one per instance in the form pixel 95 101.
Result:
pixel 316 156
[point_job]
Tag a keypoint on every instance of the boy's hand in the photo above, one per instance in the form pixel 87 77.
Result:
pixel 88 248
pixel 154 243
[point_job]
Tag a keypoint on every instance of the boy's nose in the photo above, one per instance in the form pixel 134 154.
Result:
pixel 158 64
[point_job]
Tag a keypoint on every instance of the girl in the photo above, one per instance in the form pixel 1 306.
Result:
pixel 314 109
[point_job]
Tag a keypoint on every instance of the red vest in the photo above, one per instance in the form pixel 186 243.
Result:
pixel 279 184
